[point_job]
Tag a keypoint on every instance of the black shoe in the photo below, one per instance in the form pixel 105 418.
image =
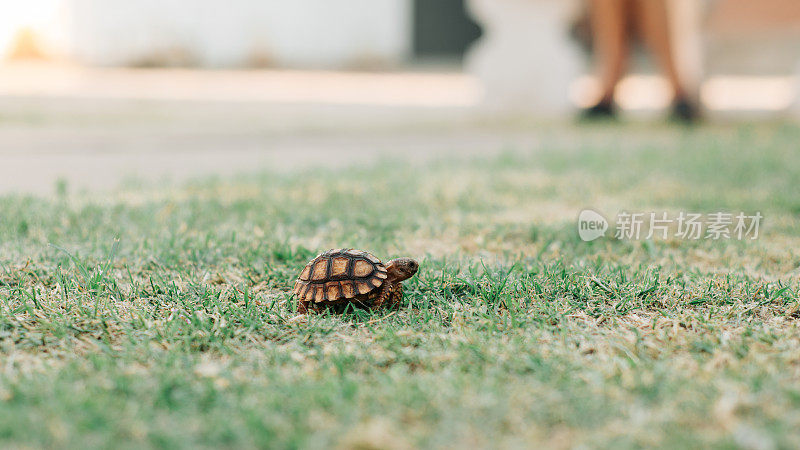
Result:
pixel 684 112
pixel 601 111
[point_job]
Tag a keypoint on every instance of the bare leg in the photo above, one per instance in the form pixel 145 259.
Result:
pixel 610 32
pixel 653 24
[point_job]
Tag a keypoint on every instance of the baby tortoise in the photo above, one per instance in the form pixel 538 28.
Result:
pixel 340 277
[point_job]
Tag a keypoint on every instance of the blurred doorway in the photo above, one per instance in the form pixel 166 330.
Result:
pixel 443 30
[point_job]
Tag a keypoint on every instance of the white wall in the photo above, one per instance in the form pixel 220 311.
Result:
pixel 39 16
pixel 526 59
pixel 214 33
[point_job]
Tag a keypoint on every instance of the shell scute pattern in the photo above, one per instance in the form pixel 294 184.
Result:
pixel 340 274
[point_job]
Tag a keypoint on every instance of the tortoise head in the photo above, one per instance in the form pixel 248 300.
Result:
pixel 401 269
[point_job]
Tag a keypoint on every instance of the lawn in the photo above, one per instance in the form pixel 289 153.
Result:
pixel 161 316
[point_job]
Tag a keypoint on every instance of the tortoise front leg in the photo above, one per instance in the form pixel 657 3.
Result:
pixel 384 296
pixel 397 297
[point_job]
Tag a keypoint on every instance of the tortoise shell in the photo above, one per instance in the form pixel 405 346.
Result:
pixel 341 274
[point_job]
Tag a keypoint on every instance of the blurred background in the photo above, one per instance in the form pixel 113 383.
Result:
pixel 93 92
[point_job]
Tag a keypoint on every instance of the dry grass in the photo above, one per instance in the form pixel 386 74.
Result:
pixel 163 318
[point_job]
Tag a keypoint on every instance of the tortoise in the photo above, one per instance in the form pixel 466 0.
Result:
pixel 343 276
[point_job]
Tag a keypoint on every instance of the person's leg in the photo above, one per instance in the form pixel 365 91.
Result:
pixel 610 35
pixel 653 25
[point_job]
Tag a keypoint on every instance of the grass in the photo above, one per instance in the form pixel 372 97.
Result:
pixel 161 316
